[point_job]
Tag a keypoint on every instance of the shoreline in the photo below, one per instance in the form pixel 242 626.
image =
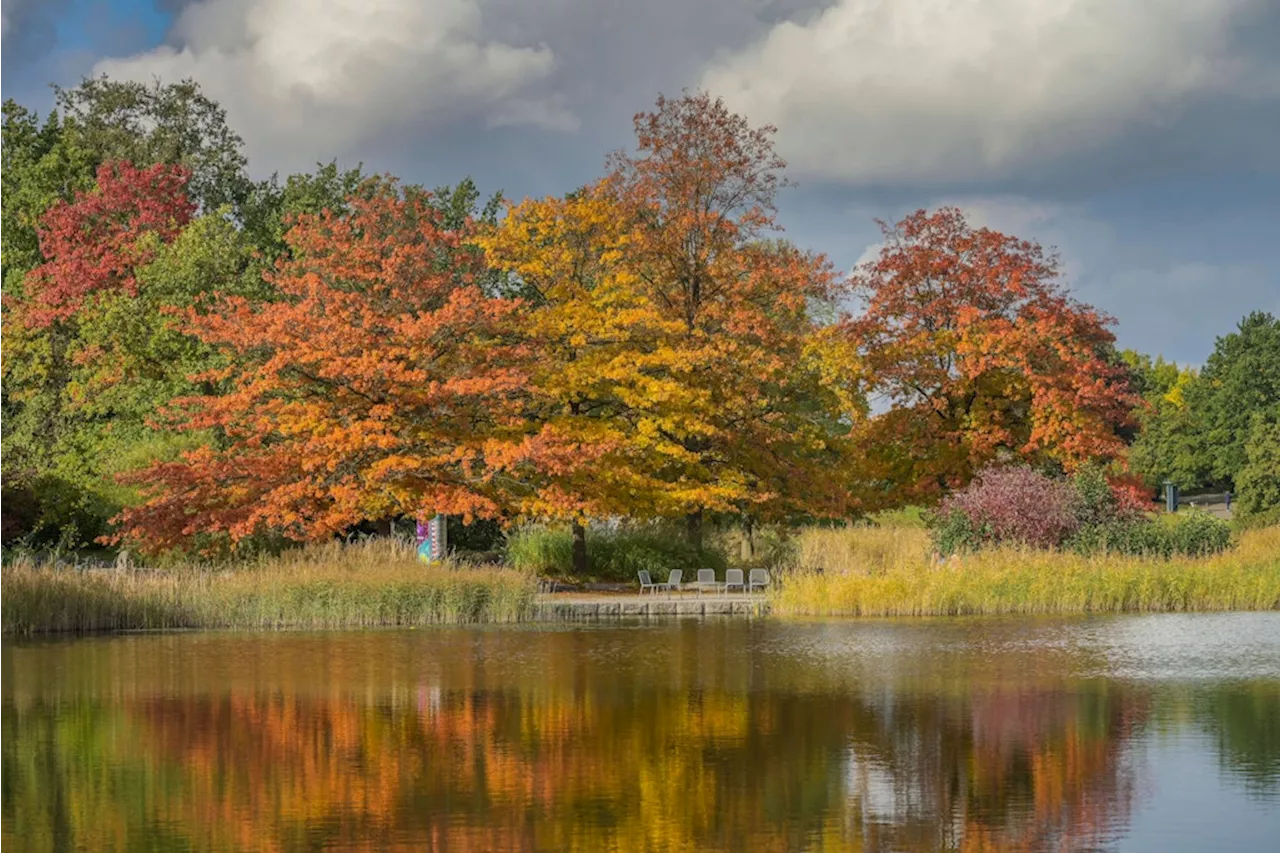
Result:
pixel 546 611
pixel 864 573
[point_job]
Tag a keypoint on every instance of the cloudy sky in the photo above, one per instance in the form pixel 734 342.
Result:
pixel 1139 137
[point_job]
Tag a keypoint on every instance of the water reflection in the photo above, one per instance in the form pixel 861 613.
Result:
pixel 720 736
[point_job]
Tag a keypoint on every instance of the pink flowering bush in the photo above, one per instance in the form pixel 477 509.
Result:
pixel 1011 504
pixel 1087 513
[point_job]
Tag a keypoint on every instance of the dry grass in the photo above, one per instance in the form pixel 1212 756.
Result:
pixel 374 583
pixel 887 572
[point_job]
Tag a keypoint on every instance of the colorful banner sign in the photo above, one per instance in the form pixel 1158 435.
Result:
pixel 431 540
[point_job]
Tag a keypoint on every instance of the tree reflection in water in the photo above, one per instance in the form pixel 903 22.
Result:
pixel 589 757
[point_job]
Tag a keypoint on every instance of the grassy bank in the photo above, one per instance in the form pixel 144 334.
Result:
pixel 371 584
pixel 887 572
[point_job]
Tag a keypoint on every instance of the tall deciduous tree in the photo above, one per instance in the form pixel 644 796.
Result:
pixel 95 243
pixel 978 352
pixel 734 395
pixel 589 327
pixel 1240 379
pixel 1258 479
pixel 382 382
pixel 172 123
pixel 1168 442
pixel 67 365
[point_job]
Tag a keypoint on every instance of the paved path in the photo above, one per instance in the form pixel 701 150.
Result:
pixel 1214 508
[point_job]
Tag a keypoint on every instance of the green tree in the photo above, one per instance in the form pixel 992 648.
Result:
pixel 40 165
pixel 159 123
pixel 1170 440
pixel 1259 478
pixel 1240 380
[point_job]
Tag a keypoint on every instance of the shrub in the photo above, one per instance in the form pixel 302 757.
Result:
pixel 1188 534
pixel 1013 504
pixel 1198 534
pixel 955 532
pixel 1099 501
pixel 1088 514
pixel 21 510
pixel 611 555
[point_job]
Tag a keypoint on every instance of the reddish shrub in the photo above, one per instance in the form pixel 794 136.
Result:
pixel 1017 504
pixel 1132 497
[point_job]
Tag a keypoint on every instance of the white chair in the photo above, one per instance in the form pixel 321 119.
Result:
pixel 707 580
pixel 758 578
pixel 733 579
pixel 647 584
pixel 674 579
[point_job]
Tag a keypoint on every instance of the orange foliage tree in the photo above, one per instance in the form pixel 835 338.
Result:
pixel 382 381
pixel 980 354
pixel 747 406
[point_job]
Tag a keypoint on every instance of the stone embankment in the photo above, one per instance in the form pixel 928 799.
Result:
pixel 567 607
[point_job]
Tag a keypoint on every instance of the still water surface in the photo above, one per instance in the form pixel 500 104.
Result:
pixel 1157 733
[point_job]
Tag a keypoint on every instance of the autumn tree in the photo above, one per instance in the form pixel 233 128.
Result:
pixel 977 352
pixel 732 395
pixel 590 328
pixel 381 382
pixel 95 243
pixel 67 361
pixel 61 433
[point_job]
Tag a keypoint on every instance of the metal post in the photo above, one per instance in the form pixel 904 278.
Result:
pixel 1170 496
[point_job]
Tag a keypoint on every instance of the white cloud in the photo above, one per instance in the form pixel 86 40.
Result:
pixel 873 91
pixel 1054 225
pixel 304 80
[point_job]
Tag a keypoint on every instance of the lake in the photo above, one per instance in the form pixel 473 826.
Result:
pixel 1119 733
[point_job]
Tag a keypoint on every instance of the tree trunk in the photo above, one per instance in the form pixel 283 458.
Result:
pixel 748 552
pixel 579 548
pixel 693 522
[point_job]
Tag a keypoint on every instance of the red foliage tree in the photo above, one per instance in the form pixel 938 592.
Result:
pixel 981 354
pixel 383 382
pixel 95 242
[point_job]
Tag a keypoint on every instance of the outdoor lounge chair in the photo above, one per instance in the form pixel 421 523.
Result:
pixel 733 579
pixel 707 580
pixel 647 584
pixel 758 578
pixel 674 579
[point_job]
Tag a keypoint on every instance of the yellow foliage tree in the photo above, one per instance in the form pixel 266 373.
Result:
pixel 679 348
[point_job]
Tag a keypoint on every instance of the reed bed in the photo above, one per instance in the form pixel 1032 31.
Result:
pixel 890 572
pixel 377 583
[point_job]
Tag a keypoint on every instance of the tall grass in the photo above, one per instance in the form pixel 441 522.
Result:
pixel 888 572
pixel 379 582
